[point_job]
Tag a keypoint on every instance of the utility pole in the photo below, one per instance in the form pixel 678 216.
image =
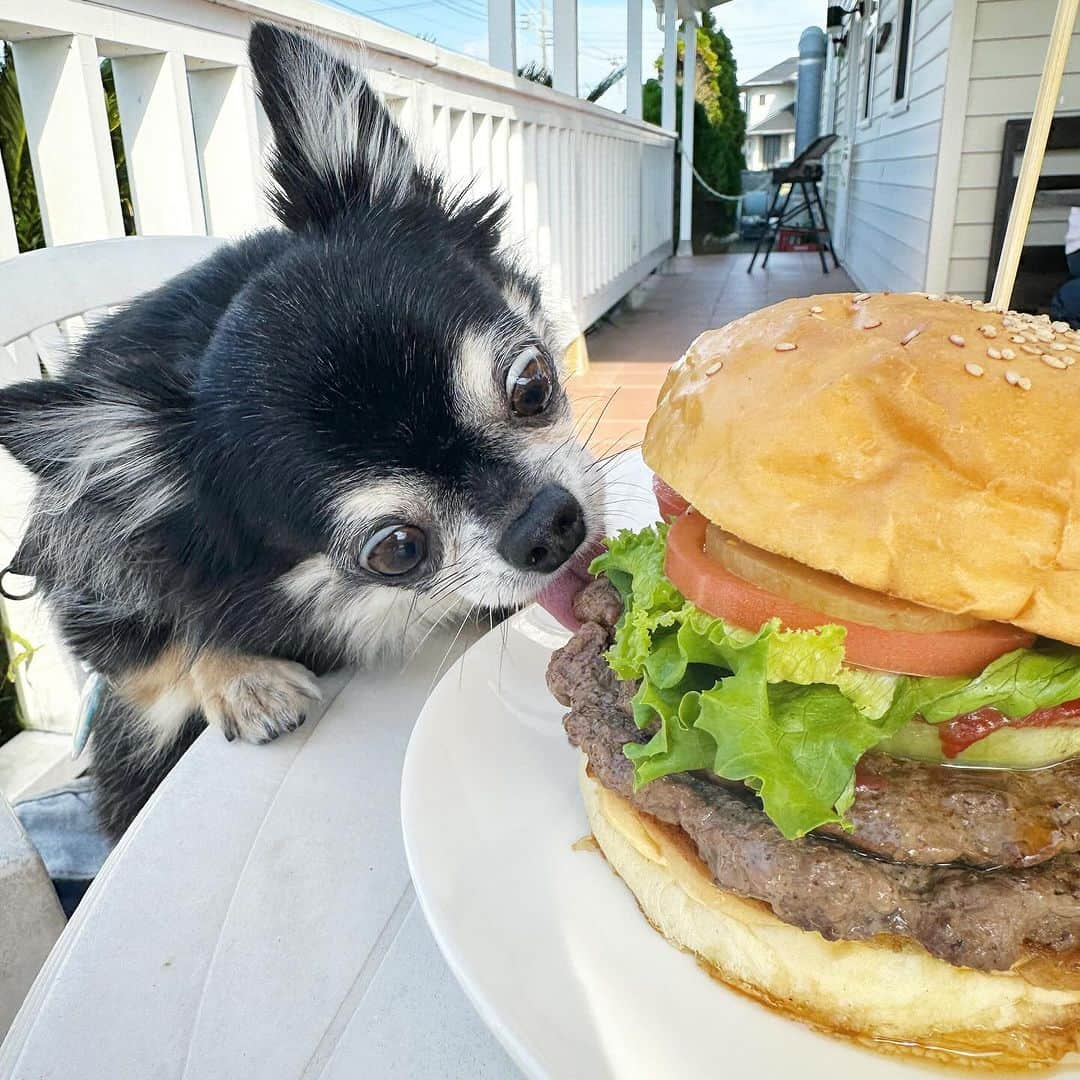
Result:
pixel 543 36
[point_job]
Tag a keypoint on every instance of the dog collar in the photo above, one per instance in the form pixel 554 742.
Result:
pixel 89 703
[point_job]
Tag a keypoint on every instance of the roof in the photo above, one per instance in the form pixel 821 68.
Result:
pixel 779 123
pixel 689 7
pixel 787 71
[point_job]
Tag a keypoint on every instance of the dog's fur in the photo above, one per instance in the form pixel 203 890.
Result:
pixel 214 456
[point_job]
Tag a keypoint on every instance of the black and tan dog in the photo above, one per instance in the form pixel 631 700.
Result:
pixel 303 452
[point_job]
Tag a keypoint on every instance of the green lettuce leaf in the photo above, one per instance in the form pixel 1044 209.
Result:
pixel 1015 684
pixel 774 707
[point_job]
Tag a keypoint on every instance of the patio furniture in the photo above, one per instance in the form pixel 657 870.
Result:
pixel 804 173
pixel 49 298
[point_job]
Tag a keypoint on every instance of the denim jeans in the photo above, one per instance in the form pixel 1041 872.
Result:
pixel 62 826
pixel 1065 304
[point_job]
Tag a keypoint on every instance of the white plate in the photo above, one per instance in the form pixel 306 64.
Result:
pixel 545 940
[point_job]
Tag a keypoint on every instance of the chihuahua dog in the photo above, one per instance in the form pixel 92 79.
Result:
pixel 305 451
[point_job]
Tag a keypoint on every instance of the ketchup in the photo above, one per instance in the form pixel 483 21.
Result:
pixel 964 731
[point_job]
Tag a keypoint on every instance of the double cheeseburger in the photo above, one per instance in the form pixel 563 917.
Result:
pixel 829 709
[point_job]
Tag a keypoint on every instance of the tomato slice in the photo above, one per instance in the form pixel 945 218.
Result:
pixel 671 503
pixel 719 592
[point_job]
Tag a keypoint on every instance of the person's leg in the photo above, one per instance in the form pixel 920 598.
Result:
pixel 1065 304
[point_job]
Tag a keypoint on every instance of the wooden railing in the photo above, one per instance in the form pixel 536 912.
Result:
pixel 590 190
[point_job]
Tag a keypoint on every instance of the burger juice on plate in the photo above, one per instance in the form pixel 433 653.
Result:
pixel 830 708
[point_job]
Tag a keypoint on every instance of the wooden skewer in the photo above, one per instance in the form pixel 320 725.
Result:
pixel 1031 167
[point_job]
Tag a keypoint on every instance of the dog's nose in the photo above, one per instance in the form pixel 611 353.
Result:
pixel 546 534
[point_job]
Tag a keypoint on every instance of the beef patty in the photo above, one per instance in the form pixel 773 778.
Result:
pixel 981 918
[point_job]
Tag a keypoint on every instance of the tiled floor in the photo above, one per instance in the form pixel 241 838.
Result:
pixel 630 353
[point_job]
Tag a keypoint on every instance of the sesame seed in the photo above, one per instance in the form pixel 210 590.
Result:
pixel 974 369
pixel 909 337
pixel 1069 360
pixel 987 330
pixel 933 296
pixel 786 346
pixel 1060 326
pixel 1008 354
pixel 1017 339
pixel 957 340
pixel 1054 362
pixel 858 298
pixel 817 309
pixel 1033 349
pixel 1014 378
pixel 1059 346
pixel 871 324
pixel 1045 335
pixel 994 354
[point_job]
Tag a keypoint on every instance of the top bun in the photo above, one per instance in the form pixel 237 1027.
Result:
pixel 885 439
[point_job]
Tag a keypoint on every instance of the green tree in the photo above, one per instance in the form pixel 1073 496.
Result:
pixel 536 73
pixel 719 123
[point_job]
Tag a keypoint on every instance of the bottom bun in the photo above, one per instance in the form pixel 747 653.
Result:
pixel 887 992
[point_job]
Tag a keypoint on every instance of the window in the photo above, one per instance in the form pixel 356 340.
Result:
pixel 770 150
pixel 868 38
pixel 903 50
pixel 761 99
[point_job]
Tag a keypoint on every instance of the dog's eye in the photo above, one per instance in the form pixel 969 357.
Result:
pixel 394 550
pixel 530 384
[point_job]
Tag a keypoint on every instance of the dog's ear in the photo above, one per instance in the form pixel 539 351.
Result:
pixel 336 146
pixel 35 423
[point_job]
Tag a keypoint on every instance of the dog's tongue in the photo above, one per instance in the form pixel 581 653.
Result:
pixel 558 597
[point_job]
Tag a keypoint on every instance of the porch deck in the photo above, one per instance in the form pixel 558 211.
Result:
pixel 631 351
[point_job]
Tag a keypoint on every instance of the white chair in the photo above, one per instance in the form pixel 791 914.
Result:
pixel 48 298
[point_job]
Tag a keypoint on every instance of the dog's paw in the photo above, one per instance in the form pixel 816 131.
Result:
pixel 254 698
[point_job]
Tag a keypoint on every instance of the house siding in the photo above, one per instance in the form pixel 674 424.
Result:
pixel 1010 42
pixel 893 156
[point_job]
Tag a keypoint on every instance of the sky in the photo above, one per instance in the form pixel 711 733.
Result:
pixel 763 32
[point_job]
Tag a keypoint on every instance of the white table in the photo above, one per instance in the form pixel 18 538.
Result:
pixel 258 919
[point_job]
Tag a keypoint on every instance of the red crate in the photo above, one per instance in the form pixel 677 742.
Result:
pixel 796 240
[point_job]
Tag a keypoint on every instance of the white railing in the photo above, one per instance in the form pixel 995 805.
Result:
pixel 590 190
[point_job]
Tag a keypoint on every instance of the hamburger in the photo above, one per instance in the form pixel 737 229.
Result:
pixel 829 706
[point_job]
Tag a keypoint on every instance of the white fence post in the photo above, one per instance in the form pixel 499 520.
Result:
pixel 667 101
pixel 633 59
pixel 502 34
pixel 159 143
pixel 227 139
pixel 564 75
pixel 686 142
pixel 68 131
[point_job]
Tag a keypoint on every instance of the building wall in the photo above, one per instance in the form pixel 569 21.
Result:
pixel 885 167
pixel 1010 42
pixel 754 150
pixel 776 97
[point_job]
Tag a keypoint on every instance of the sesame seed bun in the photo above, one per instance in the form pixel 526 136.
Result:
pixel 908 444
pixel 885 992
